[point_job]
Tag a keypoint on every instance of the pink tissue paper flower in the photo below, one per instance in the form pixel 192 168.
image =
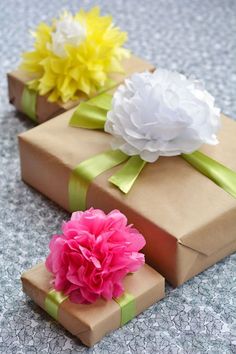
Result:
pixel 93 254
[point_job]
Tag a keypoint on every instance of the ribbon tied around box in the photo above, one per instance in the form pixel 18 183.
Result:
pixel 180 118
pixel 90 259
pixel 126 303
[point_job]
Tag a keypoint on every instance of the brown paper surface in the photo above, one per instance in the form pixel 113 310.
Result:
pixel 92 322
pixel 188 221
pixel 46 110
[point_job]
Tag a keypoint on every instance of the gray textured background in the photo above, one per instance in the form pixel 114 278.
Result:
pixel 194 36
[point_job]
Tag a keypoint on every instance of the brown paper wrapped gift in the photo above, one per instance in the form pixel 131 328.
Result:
pixel 92 322
pixel 188 221
pixel 46 110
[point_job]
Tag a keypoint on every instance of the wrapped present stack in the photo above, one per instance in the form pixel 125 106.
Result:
pixel 180 203
pixel 132 142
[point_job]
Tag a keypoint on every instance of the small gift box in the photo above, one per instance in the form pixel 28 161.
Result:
pixel 91 268
pixel 92 322
pixel 73 59
pixel 188 220
pixel 45 110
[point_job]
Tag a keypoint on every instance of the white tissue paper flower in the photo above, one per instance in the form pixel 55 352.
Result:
pixel 162 114
pixel 67 31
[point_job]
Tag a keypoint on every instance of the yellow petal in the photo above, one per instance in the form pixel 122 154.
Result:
pixel 84 85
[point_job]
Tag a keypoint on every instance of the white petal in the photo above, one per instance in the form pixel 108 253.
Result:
pixel 149 156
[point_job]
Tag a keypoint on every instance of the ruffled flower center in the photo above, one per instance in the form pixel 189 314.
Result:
pixel 67 31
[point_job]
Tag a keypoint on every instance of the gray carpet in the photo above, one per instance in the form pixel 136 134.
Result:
pixel 193 36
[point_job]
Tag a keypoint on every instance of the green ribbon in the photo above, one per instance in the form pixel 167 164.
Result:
pixel 223 176
pixel 28 103
pixel 102 100
pixel 126 302
pixel 127 306
pixel 92 115
pixel 110 84
pixel 52 302
pixel 86 171
pixel 125 177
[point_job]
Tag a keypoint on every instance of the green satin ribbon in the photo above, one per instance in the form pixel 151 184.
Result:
pixel 126 302
pixel 127 306
pixel 28 103
pixel 223 176
pixel 86 171
pixel 52 302
pixel 109 85
pixel 126 176
pixel 92 115
pixel 103 101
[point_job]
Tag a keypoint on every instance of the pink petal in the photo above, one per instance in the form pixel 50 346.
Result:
pixel 107 292
pixel 118 290
pixel 116 220
pixel 85 252
pixel 96 262
pixel 95 222
pixel 60 282
pixel 76 215
pixel 77 297
pixel 136 241
pixel 88 296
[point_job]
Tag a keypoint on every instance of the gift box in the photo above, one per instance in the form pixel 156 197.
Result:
pixel 92 322
pixel 46 110
pixel 188 221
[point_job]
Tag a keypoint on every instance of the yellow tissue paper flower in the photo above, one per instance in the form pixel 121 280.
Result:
pixel 75 54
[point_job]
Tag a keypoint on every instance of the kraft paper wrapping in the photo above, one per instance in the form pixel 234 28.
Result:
pixel 92 322
pixel 46 110
pixel 188 221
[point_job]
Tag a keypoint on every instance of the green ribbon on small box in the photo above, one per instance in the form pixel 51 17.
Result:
pixel 92 115
pixel 28 103
pixel 126 303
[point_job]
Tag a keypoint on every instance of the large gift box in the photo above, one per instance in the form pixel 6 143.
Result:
pixel 91 322
pixel 188 221
pixel 45 110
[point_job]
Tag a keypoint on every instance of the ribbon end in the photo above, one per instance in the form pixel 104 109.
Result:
pixel 73 120
pixel 125 178
pixel 123 187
